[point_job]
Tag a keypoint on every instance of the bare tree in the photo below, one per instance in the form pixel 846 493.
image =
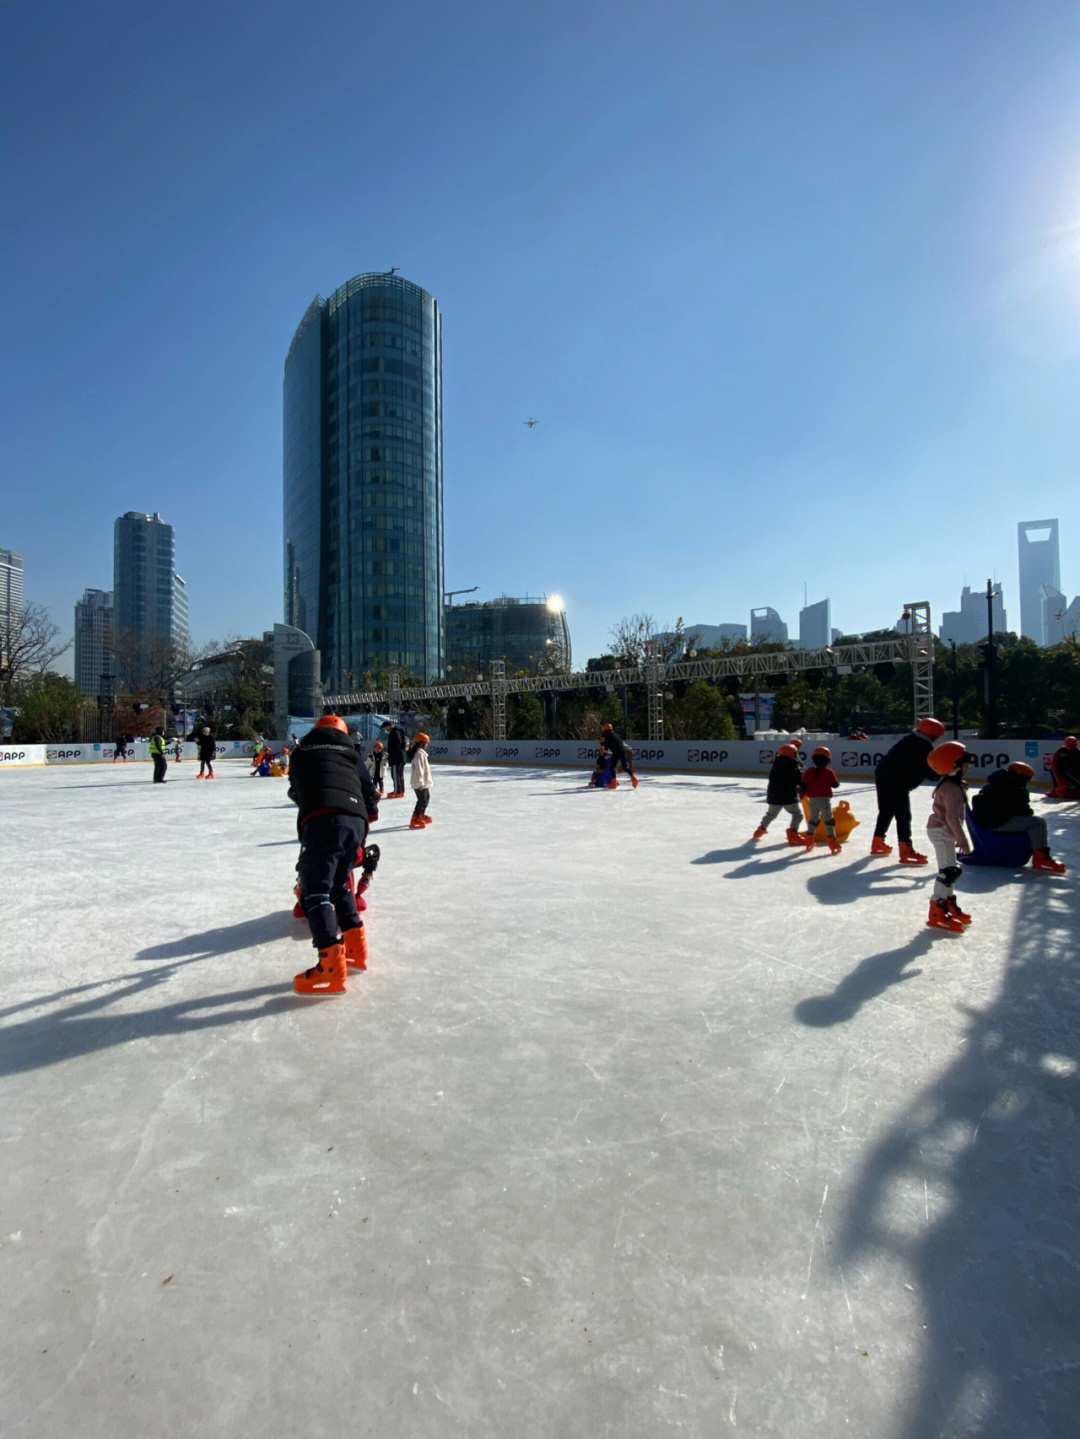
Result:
pixel 27 645
pixel 150 667
pixel 637 640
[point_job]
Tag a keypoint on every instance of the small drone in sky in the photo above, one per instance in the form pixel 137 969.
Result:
pixel 532 424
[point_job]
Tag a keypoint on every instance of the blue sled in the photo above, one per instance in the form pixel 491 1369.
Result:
pixel 996 847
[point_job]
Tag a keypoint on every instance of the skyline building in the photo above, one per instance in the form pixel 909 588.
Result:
pixel 766 625
pixel 1060 619
pixel 815 626
pixel 713 637
pixel 1040 565
pixel 967 625
pixel 149 598
pixel 11 595
pixel 363 480
pixel 93 637
pixel 529 634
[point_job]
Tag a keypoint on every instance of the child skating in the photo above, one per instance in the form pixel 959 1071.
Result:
pixel 782 792
pixel 421 780
pixel 945 829
pixel 818 783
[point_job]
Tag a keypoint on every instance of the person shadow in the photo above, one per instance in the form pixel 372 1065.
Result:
pixel 869 978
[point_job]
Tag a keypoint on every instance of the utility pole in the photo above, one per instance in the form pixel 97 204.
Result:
pixel 990 681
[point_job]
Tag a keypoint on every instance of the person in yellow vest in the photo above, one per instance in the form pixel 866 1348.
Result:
pixel 157 754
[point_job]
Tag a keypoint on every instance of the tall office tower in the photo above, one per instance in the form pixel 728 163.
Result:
pixel 363 480
pixel 967 625
pixel 1039 565
pixel 93 635
pixel 144 588
pixel 11 596
pixel 815 626
pixel 766 624
pixel 712 637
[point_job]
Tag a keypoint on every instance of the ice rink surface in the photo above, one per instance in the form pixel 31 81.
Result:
pixel 632 1128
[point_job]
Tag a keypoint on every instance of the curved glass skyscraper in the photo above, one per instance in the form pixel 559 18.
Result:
pixel 363 480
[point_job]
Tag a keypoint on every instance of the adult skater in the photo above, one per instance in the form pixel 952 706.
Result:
pixel 157 754
pixel 945 829
pixel 782 792
pixel 901 770
pixel 335 801
pixel 207 750
pixel 120 751
pixel 1065 767
pixel 421 780
pixel 611 741
pixel 1003 805
pixel 395 758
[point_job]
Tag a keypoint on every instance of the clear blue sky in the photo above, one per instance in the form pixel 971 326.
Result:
pixel 792 288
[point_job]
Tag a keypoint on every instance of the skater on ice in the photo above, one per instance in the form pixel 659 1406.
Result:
pixel 378 765
pixel 336 801
pixel 421 780
pixel 622 756
pixel 207 746
pixel 945 829
pixel 157 754
pixel 818 783
pixel 1003 806
pixel 902 770
pixel 395 754
pixel 1065 768
pixel 782 792
pixel 603 775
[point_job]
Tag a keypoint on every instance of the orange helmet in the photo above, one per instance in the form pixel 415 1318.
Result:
pixel 944 758
pixel 332 722
pixel 1019 767
pixel 930 726
pixel 822 752
pixel 420 737
pixel 378 744
pixel 791 750
pixel 1070 741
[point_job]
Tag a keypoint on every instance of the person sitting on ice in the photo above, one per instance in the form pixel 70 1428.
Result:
pixel 1003 805
pixel 623 757
pixel 903 769
pixel 603 775
pixel 818 783
pixel 945 829
pixel 782 792
pixel 1065 767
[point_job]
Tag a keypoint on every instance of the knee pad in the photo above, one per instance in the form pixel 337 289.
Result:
pixel 949 874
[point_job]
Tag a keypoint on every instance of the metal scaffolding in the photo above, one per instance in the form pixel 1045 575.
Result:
pixel 921 655
pixel 498 699
pixel 915 648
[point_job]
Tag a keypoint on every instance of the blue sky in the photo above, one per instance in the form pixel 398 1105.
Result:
pixel 793 289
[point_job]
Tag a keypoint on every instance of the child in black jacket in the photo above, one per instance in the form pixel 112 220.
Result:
pixel 783 793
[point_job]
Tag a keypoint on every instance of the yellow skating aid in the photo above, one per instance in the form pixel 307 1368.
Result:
pixel 843 820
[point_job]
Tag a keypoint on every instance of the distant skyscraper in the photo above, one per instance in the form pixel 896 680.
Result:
pixel 1060 619
pixel 363 480
pixel 967 625
pixel 93 635
pixel 766 624
pixel 1039 565
pixel 11 596
pixel 529 634
pixel 712 637
pixel 815 626
pixel 146 600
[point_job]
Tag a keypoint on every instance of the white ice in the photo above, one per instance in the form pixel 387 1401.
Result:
pixel 632 1128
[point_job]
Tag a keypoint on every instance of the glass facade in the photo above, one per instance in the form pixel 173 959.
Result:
pixel 529 634
pixel 144 567
pixel 363 492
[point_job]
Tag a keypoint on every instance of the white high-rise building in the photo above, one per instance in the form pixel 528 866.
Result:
pixel 1039 565
pixel 11 595
pixel 967 625
pixel 1060 619
pixel 93 637
pixel 766 624
pixel 815 626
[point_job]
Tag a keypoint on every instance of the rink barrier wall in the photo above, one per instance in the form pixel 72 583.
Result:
pixel 851 759
pixel 19 756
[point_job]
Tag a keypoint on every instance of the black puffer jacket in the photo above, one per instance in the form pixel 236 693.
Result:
pixel 905 767
pixel 1002 797
pixel 325 773
pixel 395 744
pixel 784 780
